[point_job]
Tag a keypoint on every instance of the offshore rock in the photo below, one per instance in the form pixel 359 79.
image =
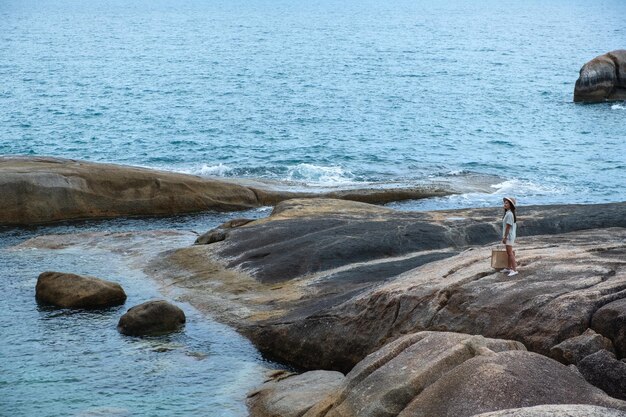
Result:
pixel 151 318
pixel 43 190
pixel 77 291
pixel 603 78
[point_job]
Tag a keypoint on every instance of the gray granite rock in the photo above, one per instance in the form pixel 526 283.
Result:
pixel 605 372
pixel 574 349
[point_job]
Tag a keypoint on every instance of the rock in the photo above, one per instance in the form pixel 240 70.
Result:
pixel 43 190
pixel 434 374
pixel 212 236
pixel 603 78
pixel 605 372
pixel 506 380
pixel 77 291
pixel 151 318
pixel 388 380
pixel 610 321
pixel 317 270
pixel 290 395
pixel 561 410
pixel 573 350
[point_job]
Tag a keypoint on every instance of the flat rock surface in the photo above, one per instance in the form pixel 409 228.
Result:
pixel 561 410
pixel 317 270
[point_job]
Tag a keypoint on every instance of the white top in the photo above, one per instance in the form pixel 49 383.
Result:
pixel 508 219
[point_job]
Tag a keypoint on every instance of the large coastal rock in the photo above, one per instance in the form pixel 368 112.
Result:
pixel 610 320
pixel 318 270
pixel 42 190
pixel 564 410
pixel 604 371
pixel 77 291
pixel 291 395
pixel 435 374
pixel 603 78
pixel 151 318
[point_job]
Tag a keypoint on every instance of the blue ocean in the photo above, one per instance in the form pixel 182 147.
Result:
pixel 307 94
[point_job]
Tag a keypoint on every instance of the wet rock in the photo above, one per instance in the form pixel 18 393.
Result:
pixel 77 291
pixel 573 350
pixel 603 78
pixel 604 371
pixel 151 318
pixel 561 410
pixel 610 321
pixel 291 395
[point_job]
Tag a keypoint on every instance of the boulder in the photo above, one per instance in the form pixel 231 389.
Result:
pixel 506 380
pixel 437 374
pixel 77 291
pixel 388 380
pixel 151 318
pixel 610 321
pixel 573 350
pixel 603 78
pixel 561 410
pixel 317 270
pixel 290 395
pixel 604 371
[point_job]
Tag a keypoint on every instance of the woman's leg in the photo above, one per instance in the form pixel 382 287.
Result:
pixel 511 258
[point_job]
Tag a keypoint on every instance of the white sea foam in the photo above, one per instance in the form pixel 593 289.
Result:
pixel 315 175
pixel 618 107
pixel 516 187
pixel 219 170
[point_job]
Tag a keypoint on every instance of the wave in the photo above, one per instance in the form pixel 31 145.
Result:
pixel 302 174
pixel 618 107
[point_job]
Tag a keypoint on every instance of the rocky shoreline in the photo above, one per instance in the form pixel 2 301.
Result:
pixel 385 313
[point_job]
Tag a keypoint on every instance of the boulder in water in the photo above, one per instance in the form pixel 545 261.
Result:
pixel 77 291
pixel 603 78
pixel 151 318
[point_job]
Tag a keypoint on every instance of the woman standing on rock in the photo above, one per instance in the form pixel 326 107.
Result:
pixel 509 231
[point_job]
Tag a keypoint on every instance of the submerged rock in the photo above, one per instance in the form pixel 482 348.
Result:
pixel 151 318
pixel 77 291
pixel 603 78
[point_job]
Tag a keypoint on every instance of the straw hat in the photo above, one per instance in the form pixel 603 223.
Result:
pixel 511 200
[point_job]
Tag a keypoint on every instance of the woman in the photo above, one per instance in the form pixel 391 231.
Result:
pixel 509 231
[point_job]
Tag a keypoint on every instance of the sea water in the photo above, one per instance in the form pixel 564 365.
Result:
pixel 314 94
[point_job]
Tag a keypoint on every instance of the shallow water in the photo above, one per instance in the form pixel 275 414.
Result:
pixel 60 362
